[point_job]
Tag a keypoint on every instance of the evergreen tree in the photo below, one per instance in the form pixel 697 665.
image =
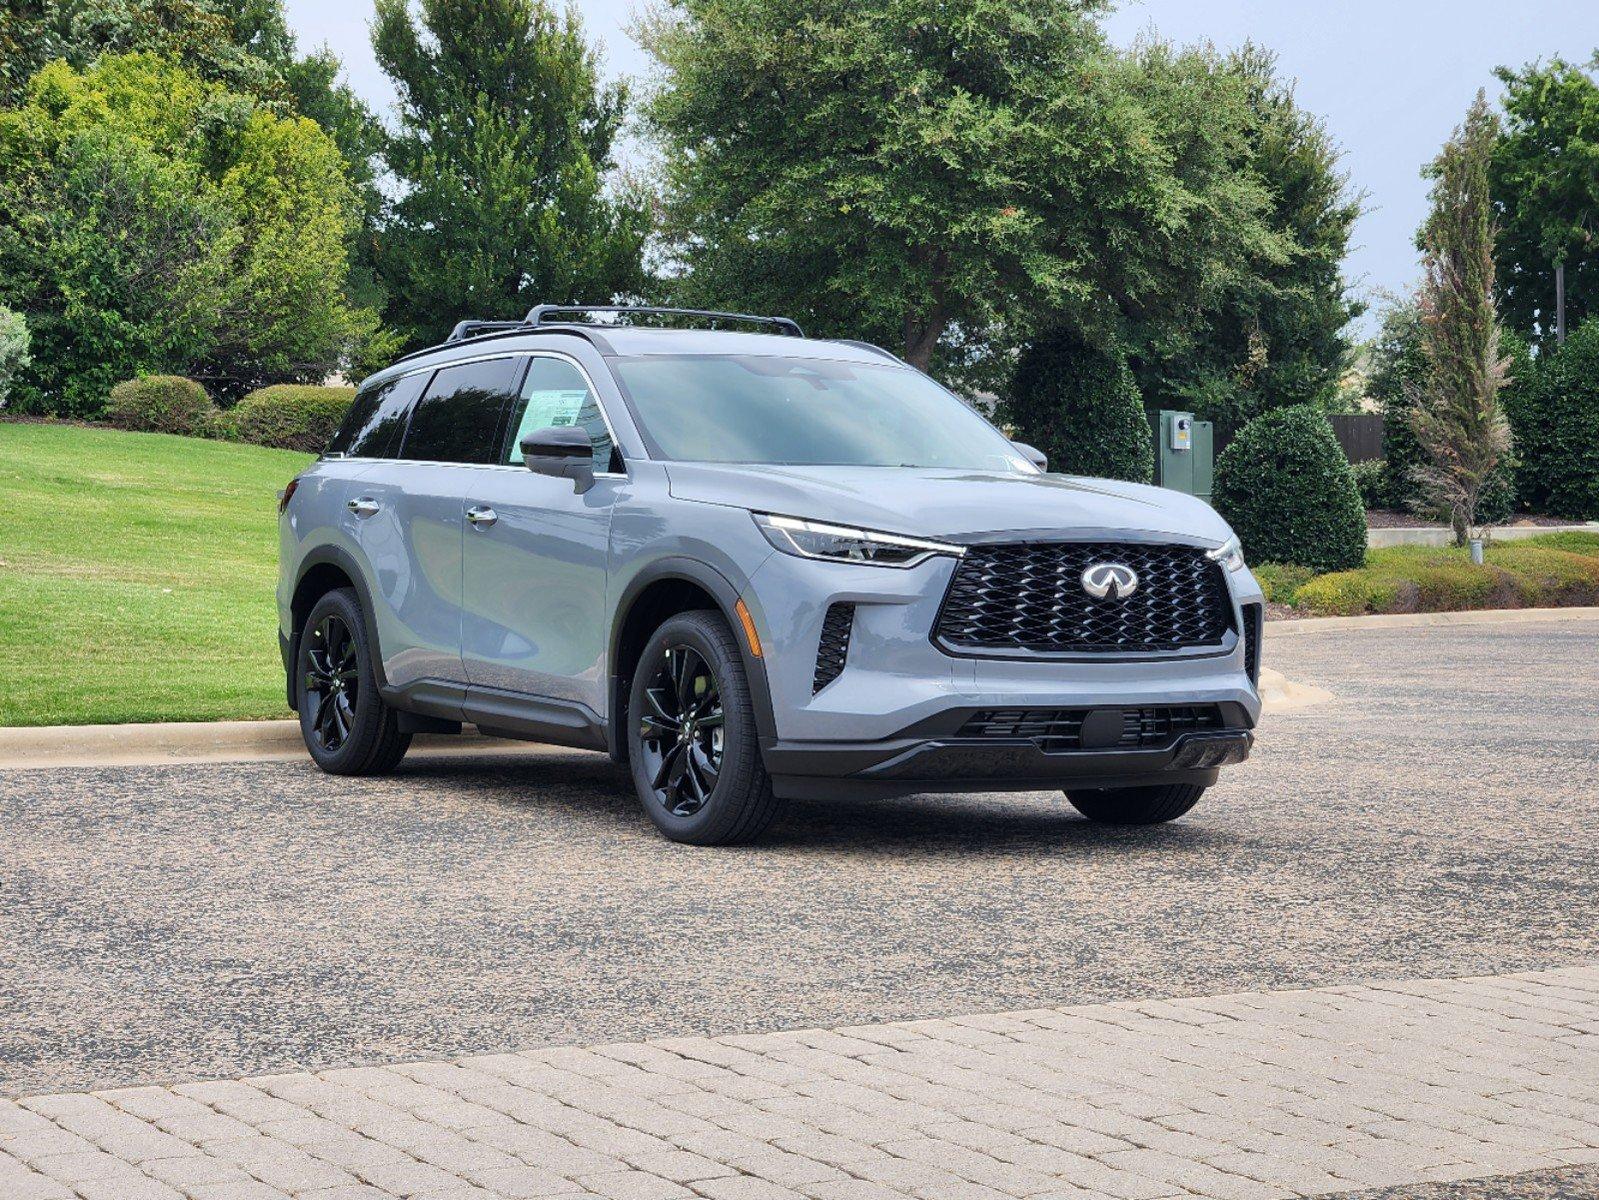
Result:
pixel 500 160
pixel 1456 411
pixel 1276 334
pixel 1078 403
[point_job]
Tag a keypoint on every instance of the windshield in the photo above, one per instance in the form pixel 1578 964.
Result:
pixel 806 411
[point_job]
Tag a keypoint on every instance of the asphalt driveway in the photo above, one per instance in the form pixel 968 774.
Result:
pixel 159 923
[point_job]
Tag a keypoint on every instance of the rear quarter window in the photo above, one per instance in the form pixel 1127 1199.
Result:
pixel 376 420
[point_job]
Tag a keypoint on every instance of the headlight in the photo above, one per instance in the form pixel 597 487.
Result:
pixel 1229 554
pixel 839 543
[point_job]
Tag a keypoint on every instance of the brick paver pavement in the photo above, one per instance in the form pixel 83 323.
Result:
pixel 1255 1095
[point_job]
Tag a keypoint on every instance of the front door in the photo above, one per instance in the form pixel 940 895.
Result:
pixel 535 552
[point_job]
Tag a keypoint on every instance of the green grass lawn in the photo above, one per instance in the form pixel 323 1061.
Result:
pixel 136 577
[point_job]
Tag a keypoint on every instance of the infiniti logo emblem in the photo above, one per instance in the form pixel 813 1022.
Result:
pixel 1112 581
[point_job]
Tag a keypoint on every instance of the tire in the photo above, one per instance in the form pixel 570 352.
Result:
pixel 1137 805
pixel 345 737
pixel 692 743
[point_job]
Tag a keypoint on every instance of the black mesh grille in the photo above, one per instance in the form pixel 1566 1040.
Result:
pixel 834 646
pixel 1252 616
pixel 1058 729
pixel 1029 596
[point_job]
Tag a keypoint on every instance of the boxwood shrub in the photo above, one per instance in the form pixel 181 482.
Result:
pixel 161 404
pixel 1080 405
pixel 1290 494
pixel 1555 416
pixel 290 416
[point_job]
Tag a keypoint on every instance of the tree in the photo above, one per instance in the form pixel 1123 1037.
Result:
pixel 152 221
pixel 1456 411
pixel 504 144
pixel 1545 184
pixel 1080 405
pixel 14 342
pixel 228 44
pixel 27 42
pixel 1276 335
pixel 947 180
pixel 1554 410
pixel 1399 371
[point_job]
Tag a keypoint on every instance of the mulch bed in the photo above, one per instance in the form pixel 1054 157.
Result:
pixel 1391 518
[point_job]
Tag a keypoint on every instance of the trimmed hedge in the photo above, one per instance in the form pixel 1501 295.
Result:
pixel 290 416
pixel 1550 571
pixel 161 404
pixel 1555 416
pixel 1371 480
pixel 1290 494
pixel 1081 406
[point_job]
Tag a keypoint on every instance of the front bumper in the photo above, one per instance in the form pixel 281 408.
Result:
pixel 934 756
pixel 894 719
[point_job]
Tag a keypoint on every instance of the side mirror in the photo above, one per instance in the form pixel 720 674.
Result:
pixel 1033 455
pixel 562 451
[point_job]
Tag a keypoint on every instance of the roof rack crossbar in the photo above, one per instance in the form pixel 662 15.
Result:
pixel 470 329
pixel 537 315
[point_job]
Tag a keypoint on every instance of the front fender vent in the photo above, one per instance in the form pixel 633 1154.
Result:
pixel 1252 624
pixel 833 649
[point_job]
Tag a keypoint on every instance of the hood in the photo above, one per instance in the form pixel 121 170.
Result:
pixel 931 503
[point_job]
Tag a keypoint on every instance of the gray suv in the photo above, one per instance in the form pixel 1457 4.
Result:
pixel 753 567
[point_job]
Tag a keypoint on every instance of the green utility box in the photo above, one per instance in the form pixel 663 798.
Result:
pixel 1185 457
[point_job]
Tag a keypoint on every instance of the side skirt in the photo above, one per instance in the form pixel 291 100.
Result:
pixel 502 714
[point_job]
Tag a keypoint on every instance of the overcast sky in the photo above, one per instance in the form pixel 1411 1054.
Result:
pixel 1391 77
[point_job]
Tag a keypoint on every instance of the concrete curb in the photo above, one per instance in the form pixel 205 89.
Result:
pixel 44 746
pixel 1433 535
pixel 201 742
pixel 1475 616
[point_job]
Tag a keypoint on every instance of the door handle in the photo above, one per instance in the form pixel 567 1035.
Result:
pixel 481 516
pixel 363 506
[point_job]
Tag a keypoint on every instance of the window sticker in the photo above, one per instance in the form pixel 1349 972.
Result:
pixel 555 406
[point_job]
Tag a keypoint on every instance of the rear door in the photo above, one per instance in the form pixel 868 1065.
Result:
pixel 407 515
pixel 536 616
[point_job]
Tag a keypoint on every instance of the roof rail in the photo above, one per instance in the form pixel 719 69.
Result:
pixel 872 346
pixel 536 316
pixel 469 329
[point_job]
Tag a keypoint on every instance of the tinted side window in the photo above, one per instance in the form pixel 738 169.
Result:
pixel 555 393
pixel 459 418
pixel 376 419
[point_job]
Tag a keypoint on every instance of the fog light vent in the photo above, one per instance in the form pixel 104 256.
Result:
pixel 834 646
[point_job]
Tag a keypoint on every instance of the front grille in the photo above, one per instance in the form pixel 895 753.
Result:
pixel 1252 615
pixel 833 649
pixel 1029 597
pixel 1061 729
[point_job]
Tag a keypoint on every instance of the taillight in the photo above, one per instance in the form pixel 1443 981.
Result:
pixel 287 494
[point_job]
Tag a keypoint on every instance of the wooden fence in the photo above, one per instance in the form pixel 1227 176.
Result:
pixel 1360 435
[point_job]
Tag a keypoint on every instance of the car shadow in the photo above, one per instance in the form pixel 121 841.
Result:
pixel 593 791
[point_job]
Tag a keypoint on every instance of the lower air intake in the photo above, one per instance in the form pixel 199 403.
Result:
pixel 1061 729
pixel 833 649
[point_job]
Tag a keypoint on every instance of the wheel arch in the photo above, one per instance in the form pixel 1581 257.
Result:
pixel 323 570
pixel 664 589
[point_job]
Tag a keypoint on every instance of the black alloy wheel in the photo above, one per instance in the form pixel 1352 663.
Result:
pixel 347 726
pixel 681 731
pixel 332 682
